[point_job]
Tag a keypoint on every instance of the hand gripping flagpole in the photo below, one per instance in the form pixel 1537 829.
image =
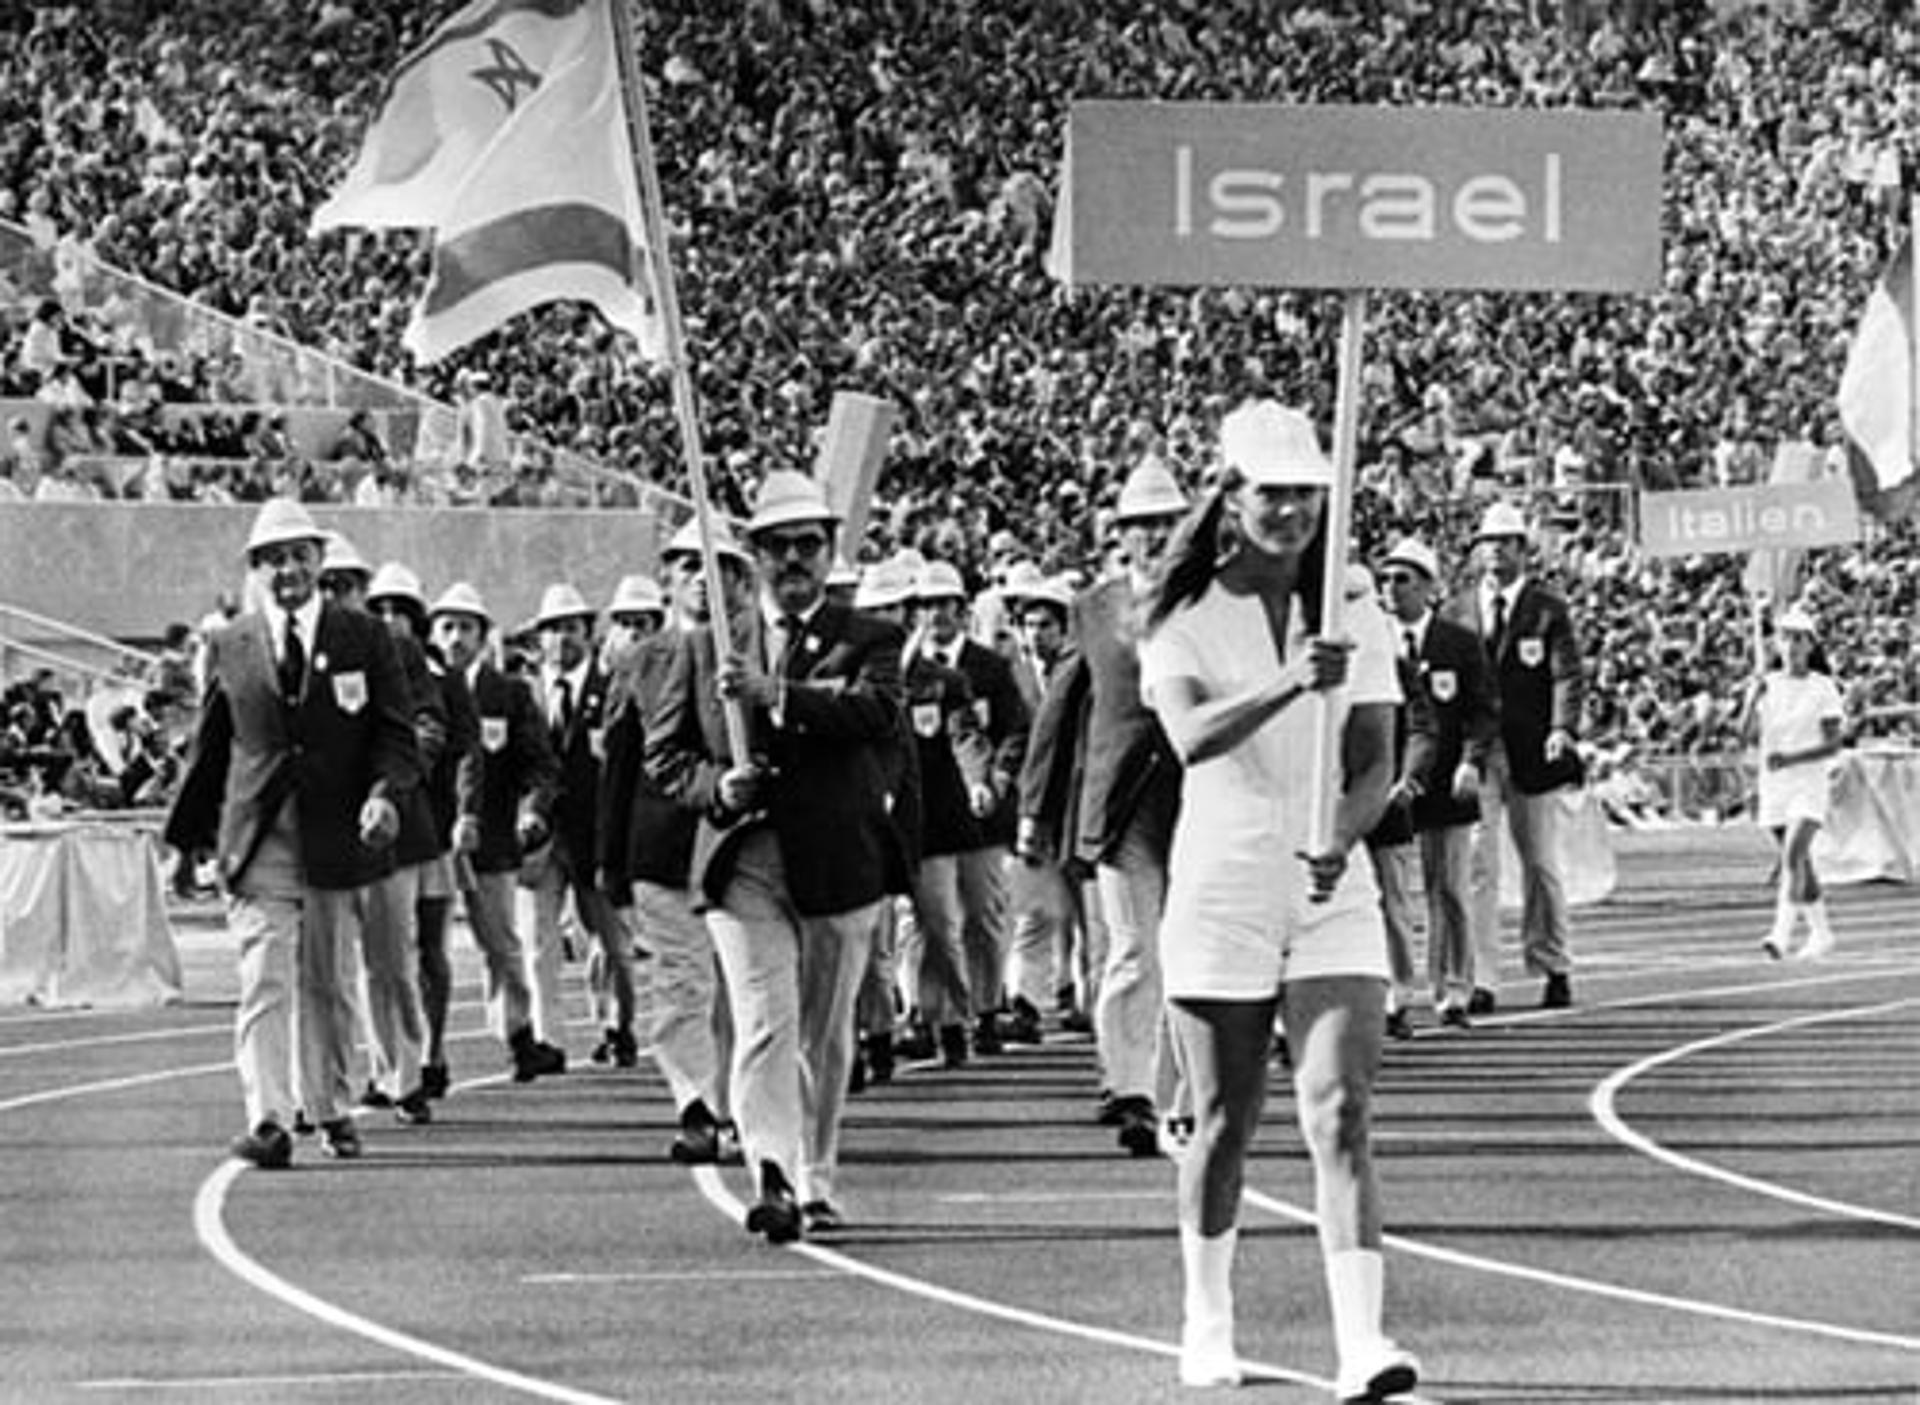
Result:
pixel 1327 768
pixel 653 223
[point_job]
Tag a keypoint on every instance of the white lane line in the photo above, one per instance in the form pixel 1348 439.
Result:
pixel 723 1200
pixel 113 1085
pixel 198 1383
pixel 209 1224
pixel 101 1041
pixel 1593 1287
pixel 1606 1095
pixel 715 1275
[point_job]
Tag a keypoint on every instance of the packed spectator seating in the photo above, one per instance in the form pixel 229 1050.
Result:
pixel 861 198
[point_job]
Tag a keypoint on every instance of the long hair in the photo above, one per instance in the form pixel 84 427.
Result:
pixel 1206 540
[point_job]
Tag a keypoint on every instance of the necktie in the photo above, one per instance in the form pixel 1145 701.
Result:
pixel 1413 645
pixel 562 705
pixel 293 663
pixel 1499 634
pixel 790 628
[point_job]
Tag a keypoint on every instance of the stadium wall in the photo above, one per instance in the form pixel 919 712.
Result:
pixel 129 569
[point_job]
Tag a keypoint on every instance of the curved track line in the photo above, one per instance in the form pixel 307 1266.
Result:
pixel 114 1085
pixel 209 1224
pixel 1602 1105
pixel 1593 1287
pixel 714 1189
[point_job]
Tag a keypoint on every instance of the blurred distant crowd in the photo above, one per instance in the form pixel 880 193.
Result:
pixel 861 197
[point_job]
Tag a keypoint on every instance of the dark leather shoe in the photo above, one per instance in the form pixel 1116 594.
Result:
pixel 698 1143
pixel 533 1058
pixel 303 1124
pixel 822 1217
pixel 435 1079
pixel 375 1096
pixel 1399 1024
pixel 602 1053
pixel 1557 994
pixel 1139 1127
pixel 626 1049
pixel 730 1153
pixel 1456 1017
pixel 777 1215
pixel 267 1146
pixel 1023 1025
pixel 1481 1002
pixel 953 1046
pixel 879 1057
pixel 414 1110
pixel 986 1036
pixel 340 1139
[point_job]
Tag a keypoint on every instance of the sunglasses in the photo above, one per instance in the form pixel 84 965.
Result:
pixel 1400 578
pixel 804 544
pixel 625 621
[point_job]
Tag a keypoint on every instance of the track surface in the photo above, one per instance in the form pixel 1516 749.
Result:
pixel 1701 1184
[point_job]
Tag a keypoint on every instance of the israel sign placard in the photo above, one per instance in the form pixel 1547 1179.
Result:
pixel 1360 197
pixel 1700 522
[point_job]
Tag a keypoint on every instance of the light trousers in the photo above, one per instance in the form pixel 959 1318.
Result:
pixel 692 1031
pixel 389 951
pixel 932 952
pixel 1127 1016
pixel 1040 953
pixel 1534 821
pixel 791 982
pixel 983 903
pixel 296 1011
pixel 1446 864
pixel 1393 875
pixel 490 904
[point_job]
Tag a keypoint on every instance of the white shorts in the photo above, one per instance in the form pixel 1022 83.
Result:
pixel 1210 953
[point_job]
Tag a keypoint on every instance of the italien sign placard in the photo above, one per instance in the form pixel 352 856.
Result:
pixel 1361 197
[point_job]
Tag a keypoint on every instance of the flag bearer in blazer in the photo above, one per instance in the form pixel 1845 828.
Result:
pixel 796 850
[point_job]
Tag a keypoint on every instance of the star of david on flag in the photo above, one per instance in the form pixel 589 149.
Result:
pixel 506 134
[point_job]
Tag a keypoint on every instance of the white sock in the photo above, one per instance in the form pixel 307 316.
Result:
pixel 1783 913
pixel 1356 1287
pixel 1206 1335
pixel 1817 923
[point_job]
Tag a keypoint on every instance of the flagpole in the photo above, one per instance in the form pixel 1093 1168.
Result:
pixel 686 410
pixel 1333 585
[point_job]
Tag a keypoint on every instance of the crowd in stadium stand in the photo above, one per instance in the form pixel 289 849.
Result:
pixel 861 197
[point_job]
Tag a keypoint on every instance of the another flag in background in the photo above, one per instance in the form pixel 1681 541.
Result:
pixel 1880 387
pixel 449 98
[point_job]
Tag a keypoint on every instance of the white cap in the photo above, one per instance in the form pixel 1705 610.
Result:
pixel 1274 446
pixel 341 556
pixel 1411 551
pixel 1151 490
pixel 282 520
pixel 787 496
pixel 461 598
pixel 1502 519
pixel 562 602
pixel 637 595
pixel 687 541
pixel 395 582
pixel 888 582
pixel 1796 620
pixel 939 580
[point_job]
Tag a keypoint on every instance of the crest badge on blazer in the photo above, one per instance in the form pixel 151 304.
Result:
pixel 493 734
pixel 350 691
pixel 1533 652
pixel 1445 684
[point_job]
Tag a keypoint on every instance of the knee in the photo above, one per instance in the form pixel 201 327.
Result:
pixel 1335 1119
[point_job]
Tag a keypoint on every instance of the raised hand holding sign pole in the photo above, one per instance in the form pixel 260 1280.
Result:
pixel 1357 198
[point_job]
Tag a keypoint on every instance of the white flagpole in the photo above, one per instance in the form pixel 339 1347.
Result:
pixel 653 220
pixel 1333 586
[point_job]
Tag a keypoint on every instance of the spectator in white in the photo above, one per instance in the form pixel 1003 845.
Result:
pixel 486 446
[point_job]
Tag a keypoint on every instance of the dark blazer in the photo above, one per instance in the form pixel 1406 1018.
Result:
pixel 644 834
pixel 946 733
pixel 349 736
pixel 463 735
pixel 511 771
pixel 578 748
pixel 830 762
pixel 1127 768
pixel 1539 680
pixel 1004 719
pixel 421 838
pixel 1463 715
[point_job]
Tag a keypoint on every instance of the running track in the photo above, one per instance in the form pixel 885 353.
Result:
pixel 1701 1184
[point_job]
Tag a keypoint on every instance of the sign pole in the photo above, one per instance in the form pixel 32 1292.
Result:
pixel 652 214
pixel 1333 585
